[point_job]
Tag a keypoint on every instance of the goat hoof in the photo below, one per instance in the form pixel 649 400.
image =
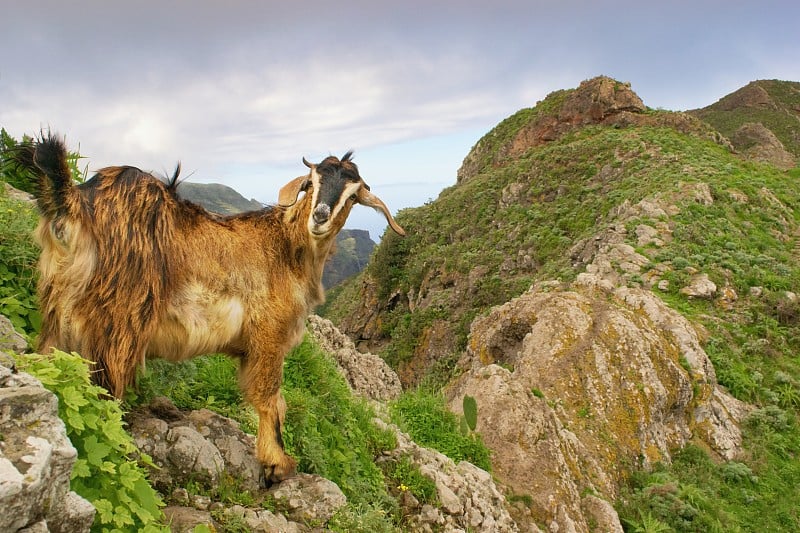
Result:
pixel 264 479
pixel 272 474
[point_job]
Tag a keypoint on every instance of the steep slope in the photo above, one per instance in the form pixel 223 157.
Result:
pixel 539 182
pixel 762 120
pixel 642 263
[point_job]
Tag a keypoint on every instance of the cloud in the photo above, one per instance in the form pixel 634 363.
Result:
pixel 240 91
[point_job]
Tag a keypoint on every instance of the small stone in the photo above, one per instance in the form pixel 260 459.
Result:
pixel 180 496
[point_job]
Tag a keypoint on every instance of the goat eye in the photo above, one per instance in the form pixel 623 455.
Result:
pixel 352 197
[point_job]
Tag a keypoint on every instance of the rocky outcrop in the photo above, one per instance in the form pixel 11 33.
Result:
pixel 36 460
pixel 368 375
pixel 206 448
pixel 468 497
pixel 757 142
pixel 600 100
pixel 576 386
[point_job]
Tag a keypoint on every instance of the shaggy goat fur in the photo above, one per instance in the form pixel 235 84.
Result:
pixel 129 271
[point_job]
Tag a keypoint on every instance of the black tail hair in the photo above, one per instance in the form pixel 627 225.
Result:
pixel 49 162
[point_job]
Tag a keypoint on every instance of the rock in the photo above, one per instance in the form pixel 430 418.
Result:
pixel 700 287
pixel 18 195
pixel 263 521
pixel 367 374
pixel 602 382
pixel 602 514
pixel 647 235
pixel 10 340
pixel 757 142
pixel 308 498
pixel 186 519
pixel 200 445
pixel 468 495
pixel 36 460
pixel 192 455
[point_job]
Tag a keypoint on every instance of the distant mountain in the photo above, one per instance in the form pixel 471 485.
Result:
pixel 353 247
pixel 217 198
pixel 762 121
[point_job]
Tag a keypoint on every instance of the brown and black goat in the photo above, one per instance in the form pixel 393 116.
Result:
pixel 130 271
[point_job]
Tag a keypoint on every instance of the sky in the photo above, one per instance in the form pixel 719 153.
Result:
pixel 239 91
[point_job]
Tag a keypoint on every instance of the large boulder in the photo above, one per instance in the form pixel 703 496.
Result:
pixel 578 386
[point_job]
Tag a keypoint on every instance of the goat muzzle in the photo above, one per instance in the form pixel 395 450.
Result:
pixel 321 214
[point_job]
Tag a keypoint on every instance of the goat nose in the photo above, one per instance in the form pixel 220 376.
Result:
pixel 322 213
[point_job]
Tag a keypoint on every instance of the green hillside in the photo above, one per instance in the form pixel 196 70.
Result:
pixel 773 103
pixel 529 205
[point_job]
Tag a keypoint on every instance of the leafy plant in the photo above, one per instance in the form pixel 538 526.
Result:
pixel 18 256
pixel 21 179
pixel 105 472
pixel 330 431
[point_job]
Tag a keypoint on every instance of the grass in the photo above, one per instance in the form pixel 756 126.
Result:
pixel 425 417
pixel 18 272
pixel 327 429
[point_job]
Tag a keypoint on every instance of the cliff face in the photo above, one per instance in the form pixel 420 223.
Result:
pixel 577 386
pixel 353 248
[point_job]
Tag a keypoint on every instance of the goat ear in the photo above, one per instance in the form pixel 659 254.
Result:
pixel 370 200
pixel 289 192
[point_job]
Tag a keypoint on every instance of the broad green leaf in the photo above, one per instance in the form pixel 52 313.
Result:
pixel 95 451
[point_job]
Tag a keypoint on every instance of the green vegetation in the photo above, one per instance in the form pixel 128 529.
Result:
pixel 104 473
pixel 512 221
pixel 425 417
pixel 780 116
pixel 18 266
pixel 409 479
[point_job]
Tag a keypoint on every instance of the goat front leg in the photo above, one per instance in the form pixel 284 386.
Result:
pixel 261 379
pixel 276 464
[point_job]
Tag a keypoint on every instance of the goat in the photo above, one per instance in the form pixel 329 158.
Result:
pixel 131 271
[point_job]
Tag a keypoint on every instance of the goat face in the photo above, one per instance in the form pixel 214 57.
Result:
pixel 333 187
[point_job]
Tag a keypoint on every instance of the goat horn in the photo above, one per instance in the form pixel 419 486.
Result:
pixel 306 163
pixel 289 192
pixel 370 200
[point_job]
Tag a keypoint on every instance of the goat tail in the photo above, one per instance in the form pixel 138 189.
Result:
pixel 47 160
